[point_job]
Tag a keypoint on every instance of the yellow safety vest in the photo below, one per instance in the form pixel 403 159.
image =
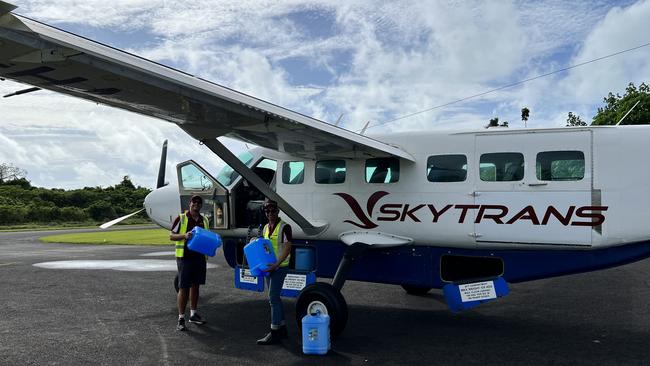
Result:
pixel 180 244
pixel 276 239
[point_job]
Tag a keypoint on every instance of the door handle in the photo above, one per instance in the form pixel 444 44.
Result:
pixel 537 184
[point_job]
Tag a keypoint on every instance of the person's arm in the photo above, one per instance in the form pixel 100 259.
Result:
pixel 176 227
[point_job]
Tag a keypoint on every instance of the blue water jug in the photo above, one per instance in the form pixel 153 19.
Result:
pixel 316 334
pixel 259 253
pixel 204 241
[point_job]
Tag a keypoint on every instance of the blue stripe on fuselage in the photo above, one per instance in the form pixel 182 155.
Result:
pixel 420 265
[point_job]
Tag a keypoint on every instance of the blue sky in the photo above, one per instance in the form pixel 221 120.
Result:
pixel 368 60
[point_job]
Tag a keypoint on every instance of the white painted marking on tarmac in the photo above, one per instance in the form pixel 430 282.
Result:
pixel 157 254
pixel 131 265
pixel 8 264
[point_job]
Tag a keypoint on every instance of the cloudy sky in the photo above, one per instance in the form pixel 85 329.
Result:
pixel 369 60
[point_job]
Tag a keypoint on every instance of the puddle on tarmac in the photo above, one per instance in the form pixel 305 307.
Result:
pixel 131 265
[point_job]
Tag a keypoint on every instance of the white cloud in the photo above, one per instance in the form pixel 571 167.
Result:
pixel 371 60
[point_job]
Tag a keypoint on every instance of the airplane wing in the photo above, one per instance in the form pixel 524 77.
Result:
pixel 49 58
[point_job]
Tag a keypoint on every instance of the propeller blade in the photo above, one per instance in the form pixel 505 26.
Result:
pixel 163 162
pixel 113 222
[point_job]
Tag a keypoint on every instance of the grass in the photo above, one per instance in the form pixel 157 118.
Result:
pixel 126 237
pixel 68 225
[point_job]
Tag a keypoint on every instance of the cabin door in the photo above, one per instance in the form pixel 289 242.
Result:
pixel 194 180
pixel 534 187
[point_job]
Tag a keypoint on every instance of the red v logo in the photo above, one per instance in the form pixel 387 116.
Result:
pixel 366 222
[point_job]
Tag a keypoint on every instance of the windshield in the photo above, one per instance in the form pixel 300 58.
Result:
pixel 227 175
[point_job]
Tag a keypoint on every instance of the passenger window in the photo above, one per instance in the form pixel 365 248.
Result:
pixel 293 172
pixel 193 179
pixel 382 170
pixel 560 165
pixel 330 171
pixel 501 167
pixel 447 168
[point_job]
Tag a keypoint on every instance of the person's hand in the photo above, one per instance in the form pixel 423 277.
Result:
pixel 188 235
pixel 270 267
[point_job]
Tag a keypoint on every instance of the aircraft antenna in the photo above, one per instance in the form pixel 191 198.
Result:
pixel 338 120
pixel 628 112
pixel 363 130
pixel 23 91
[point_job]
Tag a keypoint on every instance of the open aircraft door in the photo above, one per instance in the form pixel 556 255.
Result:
pixel 536 188
pixel 194 180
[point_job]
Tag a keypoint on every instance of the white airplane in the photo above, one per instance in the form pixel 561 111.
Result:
pixel 422 210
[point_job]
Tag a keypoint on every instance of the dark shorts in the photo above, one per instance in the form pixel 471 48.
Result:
pixel 191 271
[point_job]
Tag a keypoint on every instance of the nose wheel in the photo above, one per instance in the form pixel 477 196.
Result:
pixel 328 300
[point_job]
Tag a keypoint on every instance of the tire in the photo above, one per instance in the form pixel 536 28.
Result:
pixel 176 283
pixel 416 290
pixel 324 296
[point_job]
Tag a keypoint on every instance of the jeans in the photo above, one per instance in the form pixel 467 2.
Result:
pixel 275 281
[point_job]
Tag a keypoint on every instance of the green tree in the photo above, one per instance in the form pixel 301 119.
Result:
pixel 494 122
pixel 525 113
pixel 101 210
pixel 574 120
pixel 126 183
pixel 616 106
pixel 9 172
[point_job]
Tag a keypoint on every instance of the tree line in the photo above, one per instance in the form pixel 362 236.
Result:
pixel 21 203
pixel 633 108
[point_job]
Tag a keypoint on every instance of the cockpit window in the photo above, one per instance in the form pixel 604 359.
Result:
pixel 227 175
pixel 193 179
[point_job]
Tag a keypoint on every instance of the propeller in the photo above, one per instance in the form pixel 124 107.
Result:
pixel 161 169
pixel 159 183
pixel 113 222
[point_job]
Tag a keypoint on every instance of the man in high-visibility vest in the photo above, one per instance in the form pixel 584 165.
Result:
pixel 191 265
pixel 280 235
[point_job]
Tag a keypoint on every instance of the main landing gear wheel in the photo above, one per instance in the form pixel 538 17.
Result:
pixel 328 300
pixel 176 283
pixel 416 290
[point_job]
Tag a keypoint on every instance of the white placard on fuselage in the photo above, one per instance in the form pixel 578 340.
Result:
pixel 477 291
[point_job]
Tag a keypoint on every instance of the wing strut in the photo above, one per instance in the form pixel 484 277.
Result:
pixel 229 158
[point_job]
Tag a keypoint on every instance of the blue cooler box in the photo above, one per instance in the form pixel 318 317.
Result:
pixel 204 241
pixel 304 259
pixel 244 280
pixel 258 254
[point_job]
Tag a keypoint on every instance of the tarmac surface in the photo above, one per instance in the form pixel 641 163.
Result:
pixel 117 315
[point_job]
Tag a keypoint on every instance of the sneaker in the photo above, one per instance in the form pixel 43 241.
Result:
pixel 270 338
pixel 181 325
pixel 196 319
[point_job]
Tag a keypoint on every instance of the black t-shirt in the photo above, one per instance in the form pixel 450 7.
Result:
pixel 176 228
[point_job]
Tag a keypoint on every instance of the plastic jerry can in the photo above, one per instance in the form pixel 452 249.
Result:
pixel 259 253
pixel 316 334
pixel 204 241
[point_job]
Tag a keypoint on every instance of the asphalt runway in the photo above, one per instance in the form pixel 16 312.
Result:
pixel 124 317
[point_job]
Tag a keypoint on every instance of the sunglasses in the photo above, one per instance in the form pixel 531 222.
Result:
pixel 269 210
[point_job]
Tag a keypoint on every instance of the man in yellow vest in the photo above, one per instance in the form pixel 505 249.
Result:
pixel 280 235
pixel 191 265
